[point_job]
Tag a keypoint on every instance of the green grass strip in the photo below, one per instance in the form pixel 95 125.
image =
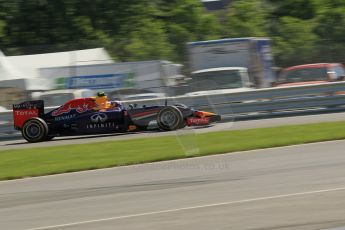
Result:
pixel 59 159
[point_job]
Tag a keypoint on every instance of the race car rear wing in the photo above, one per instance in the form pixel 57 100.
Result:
pixel 26 110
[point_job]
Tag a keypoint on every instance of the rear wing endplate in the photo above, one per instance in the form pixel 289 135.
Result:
pixel 26 110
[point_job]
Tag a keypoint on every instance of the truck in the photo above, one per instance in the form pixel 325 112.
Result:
pixel 219 80
pixel 246 56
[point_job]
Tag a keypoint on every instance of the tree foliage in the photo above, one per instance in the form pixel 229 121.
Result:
pixel 247 19
pixel 130 30
pixel 302 31
pixel 295 41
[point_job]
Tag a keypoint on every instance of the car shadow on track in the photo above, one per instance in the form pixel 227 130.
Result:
pixel 68 138
pixel 94 136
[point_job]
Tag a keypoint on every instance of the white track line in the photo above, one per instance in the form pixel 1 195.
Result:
pixel 187 208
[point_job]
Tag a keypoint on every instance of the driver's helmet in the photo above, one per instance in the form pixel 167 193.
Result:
pixel 101 101
pixel 100 94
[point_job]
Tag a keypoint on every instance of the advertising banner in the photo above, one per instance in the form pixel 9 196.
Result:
pixel 104 81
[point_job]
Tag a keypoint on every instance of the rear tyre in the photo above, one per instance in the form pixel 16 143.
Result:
pixel 170 118
pixel 35 130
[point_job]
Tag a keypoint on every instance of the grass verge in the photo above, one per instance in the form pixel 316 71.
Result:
pixel 59 159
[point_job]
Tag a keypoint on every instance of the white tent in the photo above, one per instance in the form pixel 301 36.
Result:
pixel 16 71
pixel 7 69
pixel 10 76
pixel 30 64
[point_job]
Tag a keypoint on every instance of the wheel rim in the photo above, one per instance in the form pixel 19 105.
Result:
pixel 168 118
pixel 33 131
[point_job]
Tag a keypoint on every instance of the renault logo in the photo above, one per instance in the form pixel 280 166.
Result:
pixel 99 118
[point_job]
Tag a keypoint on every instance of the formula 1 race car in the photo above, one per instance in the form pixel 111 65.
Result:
pixel 82 116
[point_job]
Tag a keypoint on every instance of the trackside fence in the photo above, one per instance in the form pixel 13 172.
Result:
pixel 255 103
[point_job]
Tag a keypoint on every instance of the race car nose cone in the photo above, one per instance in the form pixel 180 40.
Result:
pixel 204 114
pixel 132 127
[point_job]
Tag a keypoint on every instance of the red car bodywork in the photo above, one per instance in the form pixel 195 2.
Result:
pixel 325 72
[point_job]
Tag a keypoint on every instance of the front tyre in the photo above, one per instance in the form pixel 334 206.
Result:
pixel 170 118
pixel 35 130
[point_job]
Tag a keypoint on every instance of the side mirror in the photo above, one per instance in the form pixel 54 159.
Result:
pixel 132 106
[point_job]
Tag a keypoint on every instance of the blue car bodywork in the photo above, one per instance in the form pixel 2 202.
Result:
pixel 80 116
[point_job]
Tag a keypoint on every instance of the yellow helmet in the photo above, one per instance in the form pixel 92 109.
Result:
pixel 100 94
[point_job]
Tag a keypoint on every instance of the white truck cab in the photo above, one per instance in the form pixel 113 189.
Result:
pixel 219 80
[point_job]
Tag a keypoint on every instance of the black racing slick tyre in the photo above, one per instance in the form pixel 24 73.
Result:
pixel 35 130
pixel 170 118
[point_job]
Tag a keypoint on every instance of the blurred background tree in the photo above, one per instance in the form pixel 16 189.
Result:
pixel 294 41
pixel 330 20
pixel 247 19
pixel 302 31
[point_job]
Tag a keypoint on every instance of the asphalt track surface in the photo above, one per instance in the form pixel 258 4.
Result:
pixel 231 125
pixel 296 187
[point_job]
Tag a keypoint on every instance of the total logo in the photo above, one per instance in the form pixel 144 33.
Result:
pixel 99 118
pixel 198 121
pixel 26 113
